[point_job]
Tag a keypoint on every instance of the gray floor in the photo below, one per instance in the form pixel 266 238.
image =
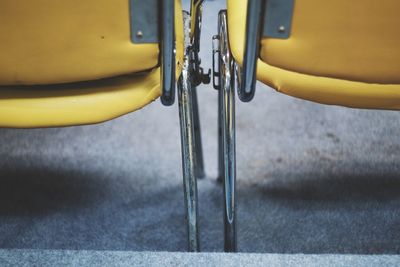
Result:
pixel 311 179
pixel 50 258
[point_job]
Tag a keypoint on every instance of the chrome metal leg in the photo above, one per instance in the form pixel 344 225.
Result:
pixel 188 162
pixel 197 77
pixel 227 120
pixel 199 161
pixel 185 97
pixel 220 145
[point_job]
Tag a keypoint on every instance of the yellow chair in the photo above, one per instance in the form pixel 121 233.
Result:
pixel 332 52
pixel 76 62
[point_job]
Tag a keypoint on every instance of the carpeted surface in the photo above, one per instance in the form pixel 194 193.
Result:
pixel 311 179
pixel 45 258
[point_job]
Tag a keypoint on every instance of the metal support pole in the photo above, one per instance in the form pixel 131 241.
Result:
pixel 185 97
pixel 221 171
pixel 199 161
pixel 227 125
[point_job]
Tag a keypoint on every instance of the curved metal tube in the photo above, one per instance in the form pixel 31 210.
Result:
pixel 227 126
pixel 167 50
pixel 197 77
pixel 252 44
pixel 188 143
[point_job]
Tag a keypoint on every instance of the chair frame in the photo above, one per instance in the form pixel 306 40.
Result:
pixel 192 155
pixel 226 76
pixel 230 76
pixel 191 147
pixel 167 49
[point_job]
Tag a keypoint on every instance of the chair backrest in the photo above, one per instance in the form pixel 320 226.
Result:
pixel 349 40
pixel 47 41
pixel 357 40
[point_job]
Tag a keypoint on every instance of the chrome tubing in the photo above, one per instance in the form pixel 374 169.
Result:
pixel 167 48
pixel 197 77
pixel 227 126
pixel 199 160
pixel 185 98
pixel 251 50
pixel 217 85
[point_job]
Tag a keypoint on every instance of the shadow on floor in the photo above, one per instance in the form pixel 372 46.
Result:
pixel 338 187
pixel 41 191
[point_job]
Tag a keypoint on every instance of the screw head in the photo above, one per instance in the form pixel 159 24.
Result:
pixel 139 34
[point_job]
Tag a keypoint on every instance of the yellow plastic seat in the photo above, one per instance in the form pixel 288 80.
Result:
pixel 72 62
pixel 336 52
pixel 339 52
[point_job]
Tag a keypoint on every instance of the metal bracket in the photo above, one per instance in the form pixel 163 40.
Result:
pixel 201 77
pixel 144 19
pixel 196 13
pixel 215 71
pixel 278 19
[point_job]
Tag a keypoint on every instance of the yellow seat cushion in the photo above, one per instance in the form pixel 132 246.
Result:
pixel 48 41
pixel 341 52
pixel 76 103
pixel 84 102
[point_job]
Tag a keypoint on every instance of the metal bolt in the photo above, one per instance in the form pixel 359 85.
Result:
pixel 281 29
pixel 139 34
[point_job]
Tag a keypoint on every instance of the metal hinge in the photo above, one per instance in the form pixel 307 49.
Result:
pixel 278 18
pixel 144 19
pixel 215 69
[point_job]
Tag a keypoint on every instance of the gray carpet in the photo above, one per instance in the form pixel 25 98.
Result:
pixel 311 179
pixel 47 258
